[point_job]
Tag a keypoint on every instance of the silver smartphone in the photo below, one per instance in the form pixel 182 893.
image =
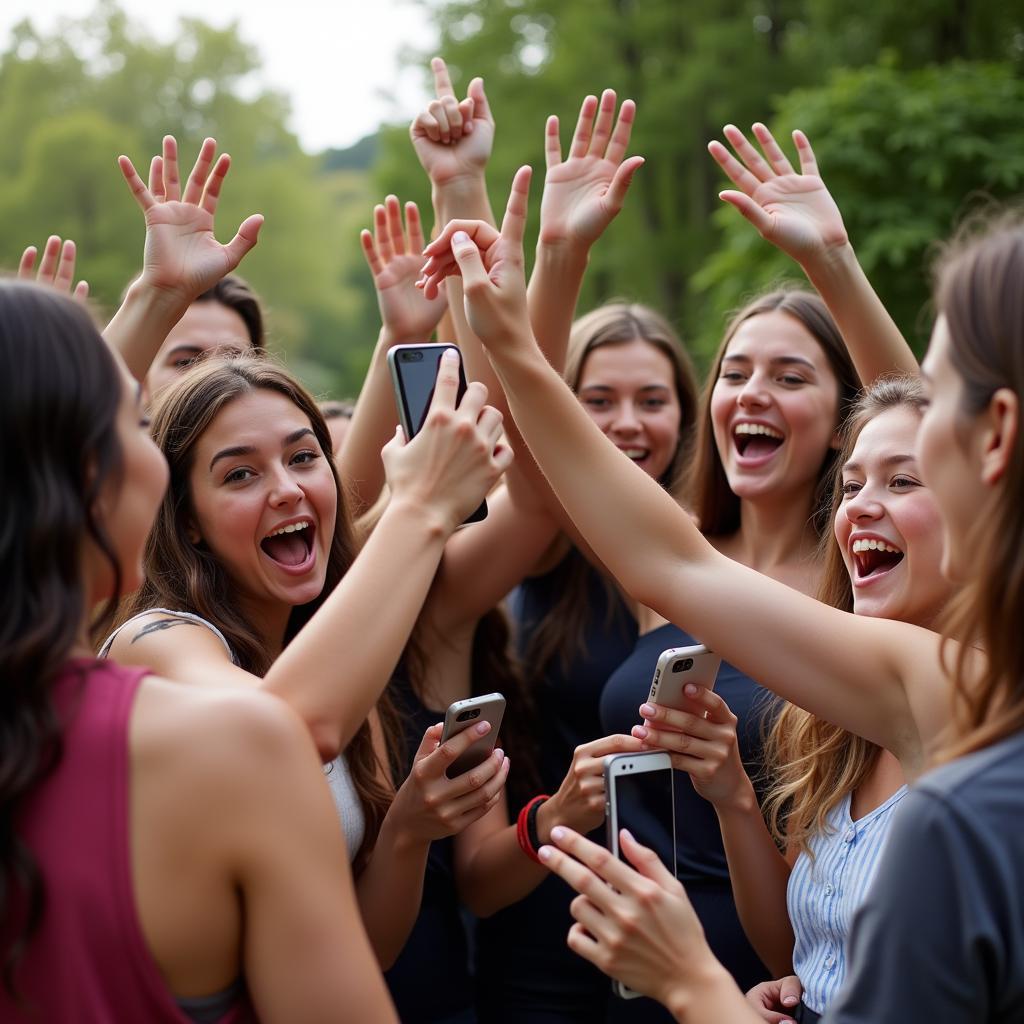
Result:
pixel 640 796
pixel 414 374
pixel 464 713
pixel 681 665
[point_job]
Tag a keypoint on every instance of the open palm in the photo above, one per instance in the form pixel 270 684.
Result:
pixel 583 193
pixel 182 255
pixel 794 211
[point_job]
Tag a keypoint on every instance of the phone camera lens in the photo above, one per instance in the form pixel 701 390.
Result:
pixel 683 665
pixel 468 716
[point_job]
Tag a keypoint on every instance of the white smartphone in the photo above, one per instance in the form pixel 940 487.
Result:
pixel 681 665
pixel 464 713
pixel 640 796
pixel 414 374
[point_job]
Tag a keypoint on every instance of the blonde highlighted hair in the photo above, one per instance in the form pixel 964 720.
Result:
pixel 812 764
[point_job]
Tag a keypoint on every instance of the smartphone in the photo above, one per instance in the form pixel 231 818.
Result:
pixel 681 665
pixel 414 375
pixel 640 796
pixel 464 713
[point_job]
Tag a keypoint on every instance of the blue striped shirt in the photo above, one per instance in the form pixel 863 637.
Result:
pixel 824 892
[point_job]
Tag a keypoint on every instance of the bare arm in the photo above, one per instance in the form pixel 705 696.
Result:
pixel 796 213
pixel 861 673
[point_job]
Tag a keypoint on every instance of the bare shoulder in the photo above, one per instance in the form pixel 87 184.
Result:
pixel 157 638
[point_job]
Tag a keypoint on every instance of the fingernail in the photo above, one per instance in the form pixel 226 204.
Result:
pixel 544 853
pixel 481 727
pixel 459 238
pixel 789 1000
pixel 625 832
pixel 690 690
pixel 639 732
pixel 558 833
pixel 451 355
pixel 499 754
pixel 648 710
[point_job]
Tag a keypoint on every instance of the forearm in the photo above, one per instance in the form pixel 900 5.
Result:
pixel 552 295
pixel 498 874
pixel 874 341
pixel 759 874
pixel 141 325
pixel 373 424
pixel 390 890
pixel 708 995
pixel 335 670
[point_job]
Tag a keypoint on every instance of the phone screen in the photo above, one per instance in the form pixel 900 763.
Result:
pixel 645 805
pixel 417 371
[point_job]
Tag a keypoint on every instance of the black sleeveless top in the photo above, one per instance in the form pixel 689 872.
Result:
pixel 431 980
pixel 525 971
pixel 701 864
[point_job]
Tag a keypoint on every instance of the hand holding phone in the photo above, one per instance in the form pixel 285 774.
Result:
pixel 679 666
pixel 445 466
pixel 641 798
pixel 465 714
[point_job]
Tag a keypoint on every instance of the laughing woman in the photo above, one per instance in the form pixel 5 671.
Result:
pixel 940 936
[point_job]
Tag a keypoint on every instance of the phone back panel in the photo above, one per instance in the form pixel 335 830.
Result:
pixel 465 713
pixel 681 665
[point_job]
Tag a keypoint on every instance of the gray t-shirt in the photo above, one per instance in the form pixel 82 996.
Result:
pixel 940 938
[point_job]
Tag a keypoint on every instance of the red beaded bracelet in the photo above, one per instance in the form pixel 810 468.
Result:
pixel 526 827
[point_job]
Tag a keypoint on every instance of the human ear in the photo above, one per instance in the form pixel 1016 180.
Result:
pixel 999 435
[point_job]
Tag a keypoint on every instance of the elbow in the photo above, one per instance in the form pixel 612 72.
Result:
pixel 327 737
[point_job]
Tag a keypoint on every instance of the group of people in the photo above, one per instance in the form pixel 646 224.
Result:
pixel 229 636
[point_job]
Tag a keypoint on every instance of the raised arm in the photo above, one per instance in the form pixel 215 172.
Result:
pixel 393 254
pixel 862 674
pixel 796 213
pixel 56 268
pixel 182 257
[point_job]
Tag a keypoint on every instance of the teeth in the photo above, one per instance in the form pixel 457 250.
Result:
pixel 635 453
pixel 293 528
pixel 757 428
pixel 868 544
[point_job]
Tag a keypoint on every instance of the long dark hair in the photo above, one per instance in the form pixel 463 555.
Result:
pixel 188 577
pixel 713 502
pixel 59 395
pixel 980 292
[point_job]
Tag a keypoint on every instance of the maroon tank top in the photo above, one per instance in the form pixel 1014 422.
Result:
pixel 88 962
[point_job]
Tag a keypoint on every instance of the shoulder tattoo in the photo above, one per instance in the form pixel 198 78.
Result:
pixel 160 624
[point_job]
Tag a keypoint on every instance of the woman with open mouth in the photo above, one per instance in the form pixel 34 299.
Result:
pixel 945 907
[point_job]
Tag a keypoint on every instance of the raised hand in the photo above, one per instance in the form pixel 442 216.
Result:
pixel 491 265
pixel 394 257
pixel 56 268
pixel 429 805
pixel 702 743
pixel 456 458
pixel 584 192
pixel 794 211
pixel 182 255
pixel 453 138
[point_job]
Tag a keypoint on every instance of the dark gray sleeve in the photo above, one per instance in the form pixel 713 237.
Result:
pixel 926 945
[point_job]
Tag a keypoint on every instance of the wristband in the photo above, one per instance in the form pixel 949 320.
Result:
pixel 526 827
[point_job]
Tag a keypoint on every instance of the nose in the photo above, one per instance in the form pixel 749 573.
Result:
pixel 863 506
pixel 753 394
pixel 284 489
pixel 625 420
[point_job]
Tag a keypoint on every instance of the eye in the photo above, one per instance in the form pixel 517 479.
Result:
pixel 733 376
pixel 904 481
pixel 654 403
pixel 184 362
pixel 792 379
pixel 851 487
pixel 238 475
pixel 306 456
pixel 597 403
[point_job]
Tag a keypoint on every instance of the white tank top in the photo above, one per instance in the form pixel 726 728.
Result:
pixel 339 778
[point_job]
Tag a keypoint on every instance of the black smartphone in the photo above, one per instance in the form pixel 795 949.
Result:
pixel 640 796
pixel 414 375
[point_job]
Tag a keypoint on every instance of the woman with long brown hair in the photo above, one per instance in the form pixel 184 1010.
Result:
pixel 127 892
pixel 943 909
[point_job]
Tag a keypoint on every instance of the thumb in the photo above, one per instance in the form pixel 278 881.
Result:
pixel 248 235
pixel 471 264
pixel 790 990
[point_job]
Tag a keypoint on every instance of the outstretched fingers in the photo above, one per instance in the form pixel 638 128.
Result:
pixel 779 161
pixel 808 164
pixel 602 132
pixel 748 153
pixel 736 172
pixel 414 227
pixel 215 182
pixel 584 127
pixel 66 267
pixel 200 172
pixel 751 210
pixel 172 176
pixel 623 131
pixel 513 224
pixel 552 143
pixel 143 196
pixel 442 80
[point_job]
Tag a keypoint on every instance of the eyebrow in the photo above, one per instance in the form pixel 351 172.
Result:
pixel 889 460
pixel 608 387
pixel 248 449
pixel 778 360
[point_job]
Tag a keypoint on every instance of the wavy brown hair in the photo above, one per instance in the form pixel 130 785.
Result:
pixel 811 764
pixel 713 502
pixel 188 577
pixel 980 292
pixel 60 390
pixel 560 634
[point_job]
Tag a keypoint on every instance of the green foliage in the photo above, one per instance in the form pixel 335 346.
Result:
pixel 906 154
pixel 100 86
pixel 692 68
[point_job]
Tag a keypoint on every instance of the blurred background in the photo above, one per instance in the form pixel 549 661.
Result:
pixel 915 109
